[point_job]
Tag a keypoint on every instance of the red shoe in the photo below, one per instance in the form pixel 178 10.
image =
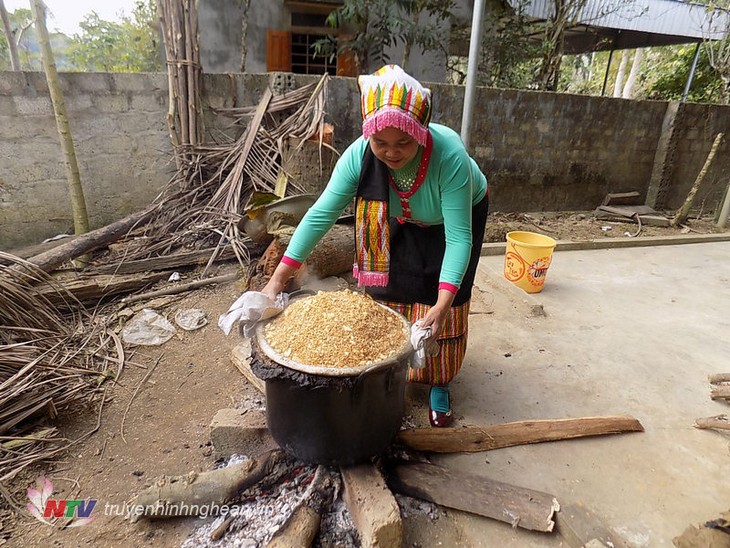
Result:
pixel 439 419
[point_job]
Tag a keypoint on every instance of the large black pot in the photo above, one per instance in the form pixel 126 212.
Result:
pixel 341 418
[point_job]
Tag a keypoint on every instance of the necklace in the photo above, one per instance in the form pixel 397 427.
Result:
pixel 406 176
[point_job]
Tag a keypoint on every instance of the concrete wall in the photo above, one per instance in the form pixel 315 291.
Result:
pixel 696 128
pixel 220 28
pixel 540 151
pixel 122 148
pixel 220 25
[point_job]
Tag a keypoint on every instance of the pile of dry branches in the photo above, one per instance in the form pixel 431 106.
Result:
pixel 202 204
pixel 50 358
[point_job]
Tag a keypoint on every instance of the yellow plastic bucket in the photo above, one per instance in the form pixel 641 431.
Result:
pixel 527 258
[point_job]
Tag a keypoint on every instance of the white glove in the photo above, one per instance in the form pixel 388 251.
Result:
pixel 423 344
pixel 250 308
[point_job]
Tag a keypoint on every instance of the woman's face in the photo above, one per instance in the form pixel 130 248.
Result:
pixel 393 147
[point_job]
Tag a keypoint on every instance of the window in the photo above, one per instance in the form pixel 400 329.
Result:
pixel 291 50
pixel 303 59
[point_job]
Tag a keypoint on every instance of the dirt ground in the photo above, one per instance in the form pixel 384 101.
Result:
pixel 577 226
pixel 186 381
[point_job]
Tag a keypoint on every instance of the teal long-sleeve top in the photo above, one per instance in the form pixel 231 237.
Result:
pixel 453 184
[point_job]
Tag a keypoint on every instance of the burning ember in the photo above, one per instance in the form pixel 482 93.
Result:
pixel 261 511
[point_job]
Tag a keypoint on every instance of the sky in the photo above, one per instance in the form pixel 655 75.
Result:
pixel 65 15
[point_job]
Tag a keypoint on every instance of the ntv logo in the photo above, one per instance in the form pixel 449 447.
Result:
pixel 74 513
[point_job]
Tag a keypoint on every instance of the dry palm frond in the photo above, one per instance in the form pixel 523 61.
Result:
pixel 49 360
pixel 203 203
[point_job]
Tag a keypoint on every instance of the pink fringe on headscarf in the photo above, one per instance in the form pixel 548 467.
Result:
pixel 394 117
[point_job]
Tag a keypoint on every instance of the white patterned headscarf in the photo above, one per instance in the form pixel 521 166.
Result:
pixel 392 98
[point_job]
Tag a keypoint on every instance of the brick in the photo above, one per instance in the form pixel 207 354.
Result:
pixel 240 431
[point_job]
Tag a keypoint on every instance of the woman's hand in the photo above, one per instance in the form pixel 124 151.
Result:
pixel 436 316
pixel 278 280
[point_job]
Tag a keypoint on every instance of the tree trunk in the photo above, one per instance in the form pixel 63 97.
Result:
pixel 407 44
pixel 628 92
pixel 550 68
pixel 12 45
pixel 76 191
pixel 621 74
pixel 244 34
pixel 683 212
pixel 49 260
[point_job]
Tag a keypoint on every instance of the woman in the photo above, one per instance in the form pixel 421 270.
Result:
pixel 420 212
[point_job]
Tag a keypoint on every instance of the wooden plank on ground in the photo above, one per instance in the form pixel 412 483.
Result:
pixel 372 506
pixel 103 285
pixel 621 198
pixel 579 526
pixel 241 358
pixel 518 506
pixel 496 436
pixel 628 211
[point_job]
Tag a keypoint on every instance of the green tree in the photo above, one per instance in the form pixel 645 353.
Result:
pixel 128 46
pixel 424 34
pixel 372 26
pixel 718 51
pixel 508 55
pixel 21 33
pixel 668 71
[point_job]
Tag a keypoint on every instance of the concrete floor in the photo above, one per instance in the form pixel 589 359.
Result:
pixel 625 331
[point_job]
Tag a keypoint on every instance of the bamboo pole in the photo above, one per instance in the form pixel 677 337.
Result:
pixel 683 212
pixel 179 21
pixel 171 82
pixel 76 191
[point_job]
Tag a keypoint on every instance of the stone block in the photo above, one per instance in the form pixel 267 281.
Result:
pixel 156 103
pixel 78 102
pixel 139 82
pixel 240 431
pixel 97 82
pixel 7 107
pixel 113 102
pixel 33 105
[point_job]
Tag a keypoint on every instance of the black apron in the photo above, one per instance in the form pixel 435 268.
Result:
pixel 417 252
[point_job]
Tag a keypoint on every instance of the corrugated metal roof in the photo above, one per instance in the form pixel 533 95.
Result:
pixel 680 20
